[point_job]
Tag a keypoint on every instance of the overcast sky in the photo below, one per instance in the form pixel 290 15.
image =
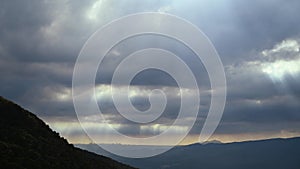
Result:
pixel 258 42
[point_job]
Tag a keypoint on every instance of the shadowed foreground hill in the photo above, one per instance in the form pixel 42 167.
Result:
pixel 27 142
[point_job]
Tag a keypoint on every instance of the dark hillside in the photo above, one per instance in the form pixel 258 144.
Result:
pixel 27 142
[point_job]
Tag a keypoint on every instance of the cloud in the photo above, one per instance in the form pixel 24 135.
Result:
pixel 259 98
pixel 258 42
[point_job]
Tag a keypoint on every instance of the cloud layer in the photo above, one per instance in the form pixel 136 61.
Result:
pixel 258 42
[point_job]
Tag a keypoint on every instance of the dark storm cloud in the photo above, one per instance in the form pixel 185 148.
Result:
pixel 293 84
pixel 265 21
pixel 40 41
pixel 239 27
pixel 153 76
pixel 22 30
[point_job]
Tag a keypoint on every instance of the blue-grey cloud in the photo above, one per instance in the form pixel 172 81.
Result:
pixel 40 42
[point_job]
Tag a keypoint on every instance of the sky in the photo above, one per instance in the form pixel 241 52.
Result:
pixel 258 42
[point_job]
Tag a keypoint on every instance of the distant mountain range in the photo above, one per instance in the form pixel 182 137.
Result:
pixel 26 142
pixel 266 154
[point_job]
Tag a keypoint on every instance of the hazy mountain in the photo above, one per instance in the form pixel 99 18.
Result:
pixel 266 154
pixel 212 142
pixel 27 142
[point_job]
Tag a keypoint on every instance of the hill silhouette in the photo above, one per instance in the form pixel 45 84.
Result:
pixel 27 142
pixel 263 154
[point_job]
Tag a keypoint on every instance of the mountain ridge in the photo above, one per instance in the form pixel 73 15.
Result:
pixel 27 142
pixel 277 153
